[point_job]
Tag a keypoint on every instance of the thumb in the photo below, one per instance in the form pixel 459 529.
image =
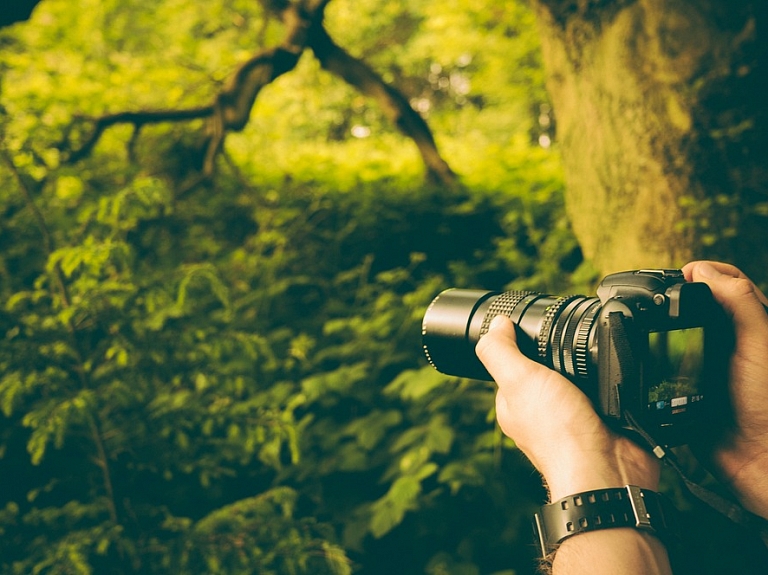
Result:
pixel 743 301
pixel 533 396
pixel 499 352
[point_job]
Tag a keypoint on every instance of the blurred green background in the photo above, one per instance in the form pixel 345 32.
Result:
pixel 224 374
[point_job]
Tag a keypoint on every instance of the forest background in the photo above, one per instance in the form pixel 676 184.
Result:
pixel 210 354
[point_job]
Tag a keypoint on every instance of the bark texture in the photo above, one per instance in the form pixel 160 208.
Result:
pixel 650 109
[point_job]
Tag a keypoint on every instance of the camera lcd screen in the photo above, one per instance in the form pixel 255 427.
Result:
pixel 674 378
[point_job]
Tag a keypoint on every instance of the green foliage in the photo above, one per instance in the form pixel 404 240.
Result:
pixel 258 535
pixel 227 378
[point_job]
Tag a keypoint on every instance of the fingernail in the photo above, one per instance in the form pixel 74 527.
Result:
pixel 708 271
pixel 496 322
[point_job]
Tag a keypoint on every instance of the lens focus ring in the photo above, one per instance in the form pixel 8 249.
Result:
pixel 503 305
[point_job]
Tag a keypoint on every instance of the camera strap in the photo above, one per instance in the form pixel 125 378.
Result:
pixel 733 511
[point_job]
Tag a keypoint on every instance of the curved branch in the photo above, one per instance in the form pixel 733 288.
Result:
pixel 393 103
pixel 138 119
pixel 232 106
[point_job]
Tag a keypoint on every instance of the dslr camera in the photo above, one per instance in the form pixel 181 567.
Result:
pixel 650 351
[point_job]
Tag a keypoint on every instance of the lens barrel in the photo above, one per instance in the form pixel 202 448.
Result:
pixel 557 331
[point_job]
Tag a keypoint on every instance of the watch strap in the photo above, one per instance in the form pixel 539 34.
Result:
pixel 628 506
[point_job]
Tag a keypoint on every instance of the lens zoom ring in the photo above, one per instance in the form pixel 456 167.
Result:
pixel 503 305
pixel 557 339
pixel 581 344
pixel 546 326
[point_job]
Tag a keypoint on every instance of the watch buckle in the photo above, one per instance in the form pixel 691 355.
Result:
pixel 642 517
pixel 538 527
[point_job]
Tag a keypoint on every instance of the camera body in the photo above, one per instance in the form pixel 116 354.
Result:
pixel 650 348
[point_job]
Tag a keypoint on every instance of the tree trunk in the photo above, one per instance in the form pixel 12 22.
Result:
pixel 660 126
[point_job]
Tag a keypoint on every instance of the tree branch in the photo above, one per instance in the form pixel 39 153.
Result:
pixel 393 103
pixel 137 118
pixel 231 108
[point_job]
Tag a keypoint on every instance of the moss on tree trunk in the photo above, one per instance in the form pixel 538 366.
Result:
pixel 632 84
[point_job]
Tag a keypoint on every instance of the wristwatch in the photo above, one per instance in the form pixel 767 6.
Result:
pixel 628 506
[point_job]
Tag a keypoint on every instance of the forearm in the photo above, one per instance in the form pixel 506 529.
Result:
pixel 623 551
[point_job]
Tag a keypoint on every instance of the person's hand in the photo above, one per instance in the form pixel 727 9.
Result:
pixel 740 459
pixel 555 425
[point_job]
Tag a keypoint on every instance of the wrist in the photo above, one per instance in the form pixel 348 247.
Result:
pixel 623 464
pixel 746 474
pixel 627 514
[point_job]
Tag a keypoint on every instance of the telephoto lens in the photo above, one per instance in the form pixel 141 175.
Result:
pixel 556 331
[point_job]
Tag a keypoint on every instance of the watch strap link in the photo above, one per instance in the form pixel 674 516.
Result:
pixel 628 506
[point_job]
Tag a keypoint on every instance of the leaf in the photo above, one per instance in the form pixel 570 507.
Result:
pixel 338 381
pixel 336 559
pixel 193 274
pixel 372 428
pixel 11 387
pixel 473 471
pixel 53 418
pixel 436 436
pixel 414 384
pixel 388 511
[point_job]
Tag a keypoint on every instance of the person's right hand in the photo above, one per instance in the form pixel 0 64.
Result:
pixel 741 457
